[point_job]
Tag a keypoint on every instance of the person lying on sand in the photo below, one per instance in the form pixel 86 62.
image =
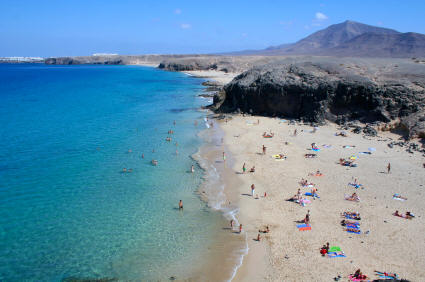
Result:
pixel 317 173
pixel 252 169
pixel 352 229
pixel 399 197
pixel 408 215
pixel 310 155
pixel 341 133
pixel 352 215
pixel 387 275
pixel 348 222
pixel 354 197
pixel 349 163
pixel 266 230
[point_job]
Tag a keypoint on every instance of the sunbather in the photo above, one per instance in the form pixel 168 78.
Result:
pixel 399 197
pixel 352 215
pixel 349 223
pixel 353 198
pixel 252 169
pixel 310 155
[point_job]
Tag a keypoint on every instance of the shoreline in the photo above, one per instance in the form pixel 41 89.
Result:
pixel 284 253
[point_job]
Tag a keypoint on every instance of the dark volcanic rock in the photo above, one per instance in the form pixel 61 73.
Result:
pixel 370 131
pixel 317 91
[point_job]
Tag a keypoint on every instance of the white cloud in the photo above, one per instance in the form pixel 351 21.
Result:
pixel 321 16
pixel 185 26
pixel 177 11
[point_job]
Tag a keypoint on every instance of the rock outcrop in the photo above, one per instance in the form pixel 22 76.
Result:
pixel 340 91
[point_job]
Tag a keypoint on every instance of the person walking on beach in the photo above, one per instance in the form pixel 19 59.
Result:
pixel 264 150
pixel 240 228
pixel 224 157
pixel 252 190
pixel 180 205
pixel 231 223
pixel 388 168
pixel 244 168
pixel 295 132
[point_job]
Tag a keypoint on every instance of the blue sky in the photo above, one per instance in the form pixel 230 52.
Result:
pixel 82 27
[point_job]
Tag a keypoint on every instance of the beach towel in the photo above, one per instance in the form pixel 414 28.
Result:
pixel 335 249
pixel 303 227
pixel 353 157
pixel 327 146
pixel 355 185
pixel 398 199
pixel 352 225
pixel 316 149
pixel 277 158
pixel 338 254
pixel 365 153
pixel 347 147
pixel 371 149
pixel 388 276
pixel 310 194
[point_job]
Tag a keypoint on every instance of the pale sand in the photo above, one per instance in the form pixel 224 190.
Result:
pixel 393 244
pixel 219 76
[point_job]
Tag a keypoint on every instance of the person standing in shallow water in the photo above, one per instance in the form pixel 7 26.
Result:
pixel 180 205
pixel 192 169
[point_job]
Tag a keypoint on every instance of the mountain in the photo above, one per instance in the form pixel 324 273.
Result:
pixel 351 38
pixel 407 44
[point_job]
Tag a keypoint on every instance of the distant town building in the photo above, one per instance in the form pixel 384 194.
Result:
pixel 104 54
pixel 21 59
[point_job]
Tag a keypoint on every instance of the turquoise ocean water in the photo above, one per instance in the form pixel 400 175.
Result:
pixel 66 207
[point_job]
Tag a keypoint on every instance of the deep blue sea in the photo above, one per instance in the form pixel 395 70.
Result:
pixel 66 207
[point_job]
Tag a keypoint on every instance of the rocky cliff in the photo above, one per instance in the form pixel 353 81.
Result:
pixel 336 90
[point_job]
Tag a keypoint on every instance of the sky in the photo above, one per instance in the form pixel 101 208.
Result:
pixel 83 27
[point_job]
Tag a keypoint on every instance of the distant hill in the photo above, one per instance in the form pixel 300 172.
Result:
pixel 351 39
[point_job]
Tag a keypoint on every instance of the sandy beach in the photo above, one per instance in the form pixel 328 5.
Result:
pixel 386 243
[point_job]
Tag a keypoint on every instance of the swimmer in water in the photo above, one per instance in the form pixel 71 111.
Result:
pixel 143 156
pixel 124 170
pixel 180 205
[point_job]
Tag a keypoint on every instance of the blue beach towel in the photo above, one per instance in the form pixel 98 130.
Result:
pixel 309 194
